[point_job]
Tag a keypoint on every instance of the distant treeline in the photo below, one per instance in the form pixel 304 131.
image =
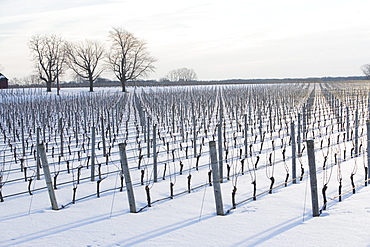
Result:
pixel 103 82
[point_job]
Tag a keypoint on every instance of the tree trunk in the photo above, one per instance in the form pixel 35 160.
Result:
pixel 48 86
pixel 123 84
pixel 91 84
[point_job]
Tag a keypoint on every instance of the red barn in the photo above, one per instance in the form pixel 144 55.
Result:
pixel 3 81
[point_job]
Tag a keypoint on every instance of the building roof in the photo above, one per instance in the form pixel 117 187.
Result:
pixel 2 77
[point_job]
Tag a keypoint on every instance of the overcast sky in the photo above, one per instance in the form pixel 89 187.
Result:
pixel 225 39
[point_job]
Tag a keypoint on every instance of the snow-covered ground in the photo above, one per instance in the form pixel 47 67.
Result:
pixel 282 218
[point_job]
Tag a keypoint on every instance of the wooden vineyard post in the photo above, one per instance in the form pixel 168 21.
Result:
pixel 356 133
pixel 347 117
pixel 270 117
pixel 260 127
pixel 341 116
pixel 204 120
pixel 368 106
pixel 85 120
pixel 220 165
pixel 49 184
pixel 143 126
pixel 93 154
pixel 313 180
pixel 14 130
pixel 22 133
pixel 148 136
pixel 38 154
pixel 368 148
pixel 304 124
pixel 126 173
pixel 299 135
pixel 194 130
pixel 294 152
pixel 155 165
pixel 61 136
pixel 103 136
pixel 76 126
pixel 245 136
pixel 182 126
pixel 109 128
pixel 43 128
pixel 216 179
pixel 173 118
pixel 142 120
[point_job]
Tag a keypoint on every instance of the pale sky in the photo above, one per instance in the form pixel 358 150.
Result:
pixel 221 39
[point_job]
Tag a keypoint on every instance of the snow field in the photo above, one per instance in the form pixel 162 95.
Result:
pixel 281 218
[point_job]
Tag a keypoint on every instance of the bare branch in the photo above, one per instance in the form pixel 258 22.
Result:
pixel 182 74
pixel 128 57
pixel 84 59
pixel 366 70
pixel 49 57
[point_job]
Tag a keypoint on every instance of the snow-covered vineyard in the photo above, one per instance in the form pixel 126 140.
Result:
pixel 164 135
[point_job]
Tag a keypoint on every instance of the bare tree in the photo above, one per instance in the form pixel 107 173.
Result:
pixel 84 57
pixel 366 70
pixel 128 57
pixel 182 74
pixel 49 56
